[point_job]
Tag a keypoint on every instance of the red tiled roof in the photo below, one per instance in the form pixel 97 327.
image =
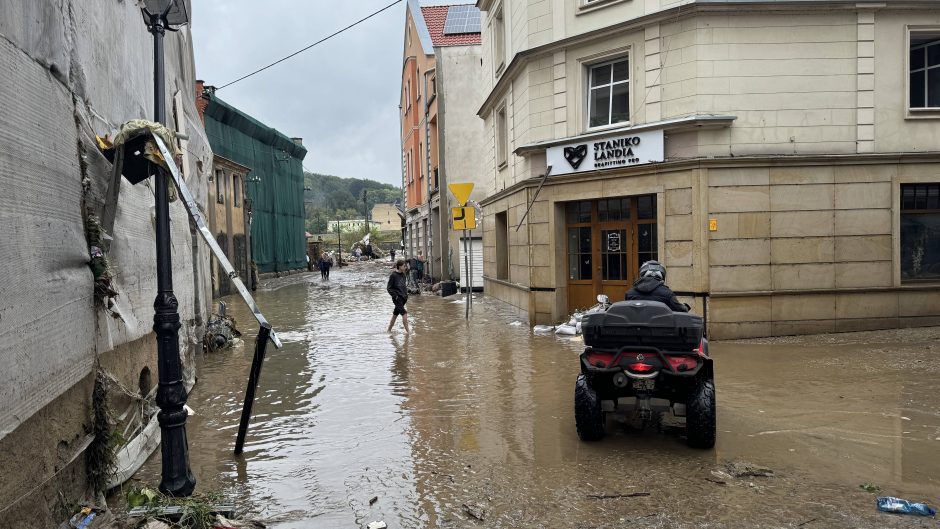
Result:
pixel 434 18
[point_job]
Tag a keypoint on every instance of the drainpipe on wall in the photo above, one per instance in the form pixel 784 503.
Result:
pixel 427 176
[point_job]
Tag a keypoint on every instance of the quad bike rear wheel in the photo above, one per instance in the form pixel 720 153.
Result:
pixel 588 417
pixel 700 421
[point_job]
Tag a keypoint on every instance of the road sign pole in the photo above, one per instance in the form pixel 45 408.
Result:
pixel 467 272
pixel 470 274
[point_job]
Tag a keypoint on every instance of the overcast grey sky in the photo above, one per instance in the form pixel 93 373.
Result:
pixel 341 96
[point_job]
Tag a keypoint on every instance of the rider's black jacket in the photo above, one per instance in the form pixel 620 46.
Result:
pixel 652 289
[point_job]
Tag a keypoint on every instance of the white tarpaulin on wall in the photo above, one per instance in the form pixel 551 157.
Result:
pixel 80 68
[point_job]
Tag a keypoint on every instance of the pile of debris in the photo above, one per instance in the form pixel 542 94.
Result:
pixel 220 331
pixel 572 327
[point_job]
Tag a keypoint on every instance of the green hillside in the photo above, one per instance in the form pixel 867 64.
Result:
pixel 329 197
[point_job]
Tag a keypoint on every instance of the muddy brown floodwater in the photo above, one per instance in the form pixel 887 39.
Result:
pixel 468 420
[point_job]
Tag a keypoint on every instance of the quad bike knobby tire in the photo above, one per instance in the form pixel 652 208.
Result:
pixel 700 415
pixel 588 416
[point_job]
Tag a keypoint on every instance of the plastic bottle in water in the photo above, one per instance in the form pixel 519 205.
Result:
pixel 899 506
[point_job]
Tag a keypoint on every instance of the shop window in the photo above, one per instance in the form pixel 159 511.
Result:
pixel 502 246
pixel 920 232
pixel 219 186
pixel 609 93
pixel 237 191
pixel 578 218
pixel 924 64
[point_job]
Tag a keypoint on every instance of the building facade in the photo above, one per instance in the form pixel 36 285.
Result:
pixel 274 186
pixel 349 225
pixel 779 157
pixel 229 222
pixel 441 134
pixel 386 217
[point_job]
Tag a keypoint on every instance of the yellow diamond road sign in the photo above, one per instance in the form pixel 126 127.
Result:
pixel 464 218
pixel 461 192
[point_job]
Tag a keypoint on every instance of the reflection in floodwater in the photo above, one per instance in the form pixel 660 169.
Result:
pixel 478 417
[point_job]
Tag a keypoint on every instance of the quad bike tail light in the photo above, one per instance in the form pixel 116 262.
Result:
pixel 640 367
pixel 683 363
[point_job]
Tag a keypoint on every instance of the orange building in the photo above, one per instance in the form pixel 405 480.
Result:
pixel 432 33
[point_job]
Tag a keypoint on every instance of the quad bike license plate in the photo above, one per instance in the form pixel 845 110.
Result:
pixel 644 384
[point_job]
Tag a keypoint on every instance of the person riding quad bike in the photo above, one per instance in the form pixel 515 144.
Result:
pixel 651 286
pixel 646 358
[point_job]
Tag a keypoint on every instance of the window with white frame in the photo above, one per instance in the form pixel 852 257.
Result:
pixel 499 42
pixel 502 137
pixel 609 93
pixel 925 70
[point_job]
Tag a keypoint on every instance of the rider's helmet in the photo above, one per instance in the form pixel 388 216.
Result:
pixel 653 269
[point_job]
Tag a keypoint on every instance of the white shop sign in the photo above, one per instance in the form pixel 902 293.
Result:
pixel 625 150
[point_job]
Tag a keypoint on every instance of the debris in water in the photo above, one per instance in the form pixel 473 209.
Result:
pixel 220 331
pixel 615 496
pixel 899 506
pixel 377 525
pixel 515 324
pixel 542 329
pixel 221 522
pixel 740 469
pixel 373 500
pixel 475 511
pixel 870 487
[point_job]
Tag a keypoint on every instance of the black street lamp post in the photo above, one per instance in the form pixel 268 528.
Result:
pixel 177 478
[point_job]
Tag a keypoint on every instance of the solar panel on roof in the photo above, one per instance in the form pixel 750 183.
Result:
pixel 462 19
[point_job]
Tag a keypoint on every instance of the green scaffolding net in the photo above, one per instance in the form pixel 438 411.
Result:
pixel 275 184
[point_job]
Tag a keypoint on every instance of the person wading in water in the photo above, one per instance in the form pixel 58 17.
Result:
pixel 398 289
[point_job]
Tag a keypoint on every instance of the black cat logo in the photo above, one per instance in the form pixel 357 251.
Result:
pixel 576 155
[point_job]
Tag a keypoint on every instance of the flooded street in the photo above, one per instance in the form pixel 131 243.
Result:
pixel 471 424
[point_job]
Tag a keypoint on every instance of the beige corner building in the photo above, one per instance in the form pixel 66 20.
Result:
pixel 779 157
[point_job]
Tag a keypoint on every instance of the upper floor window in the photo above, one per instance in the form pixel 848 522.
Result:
pixel 219 186
pixel 502 137
pixel 920 232
pixel 925 70
pixel 609 93
pixel 499 42
pixel 237 191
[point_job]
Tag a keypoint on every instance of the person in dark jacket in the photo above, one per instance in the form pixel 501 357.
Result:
pixel 651 286
pixel 398 289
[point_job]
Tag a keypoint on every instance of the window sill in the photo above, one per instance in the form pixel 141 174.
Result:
pixel 612 126
pixel 501 165
pixel 585 7
pixel 923 113
pixel 500 69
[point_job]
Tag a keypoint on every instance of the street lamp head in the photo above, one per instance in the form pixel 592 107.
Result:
pixel 173 12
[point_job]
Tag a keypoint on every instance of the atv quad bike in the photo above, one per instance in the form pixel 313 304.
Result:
pixel 642 359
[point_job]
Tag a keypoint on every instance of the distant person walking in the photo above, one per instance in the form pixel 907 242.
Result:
pixel 392 253
pixel 419 266
pixel 325 264
pixel 398 289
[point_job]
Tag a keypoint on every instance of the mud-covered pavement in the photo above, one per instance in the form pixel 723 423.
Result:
pixel 471 424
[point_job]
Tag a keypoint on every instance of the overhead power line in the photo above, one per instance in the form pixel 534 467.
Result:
pixel 298 52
